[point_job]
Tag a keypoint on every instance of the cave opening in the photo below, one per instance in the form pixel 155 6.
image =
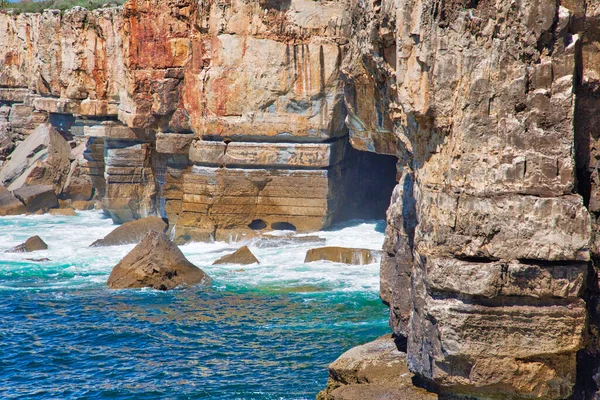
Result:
pixel 283 226
pixel 367 181
pixel 257 225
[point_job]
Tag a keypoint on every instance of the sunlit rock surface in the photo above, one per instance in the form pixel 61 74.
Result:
pixel 232 118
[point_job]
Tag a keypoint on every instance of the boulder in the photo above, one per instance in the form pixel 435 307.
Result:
pixel 132 232
pixel 155 262
pixel 243 255
pixel 343 255
pixel 9 204
pixel 376 370
pixel 66 212
pixel 78 185
pixel 269 241
pixel 32 244
pixel 37 198
pixel 42 159
pixel 82 205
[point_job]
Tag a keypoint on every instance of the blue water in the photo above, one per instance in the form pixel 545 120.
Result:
pixel 265 331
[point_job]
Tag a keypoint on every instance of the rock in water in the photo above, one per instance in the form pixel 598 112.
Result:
pixel 243 255
pixel 32 244
pixel 132 232
pixel 155 262
pixel 65 212
pixel 375 370
pixel 342 255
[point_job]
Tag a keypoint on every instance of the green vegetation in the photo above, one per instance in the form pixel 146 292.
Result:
pixel 29 6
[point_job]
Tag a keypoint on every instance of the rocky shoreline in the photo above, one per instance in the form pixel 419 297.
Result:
pixel 474 121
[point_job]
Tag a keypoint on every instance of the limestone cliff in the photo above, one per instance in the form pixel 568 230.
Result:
pixel 221 116
pixel 231 116
pixel 490 244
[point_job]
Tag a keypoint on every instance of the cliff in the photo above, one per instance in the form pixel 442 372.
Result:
pixel 231 116
pixel 223 117
pixel 491 236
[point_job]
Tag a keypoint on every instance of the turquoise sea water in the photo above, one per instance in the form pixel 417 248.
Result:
pixel 264 331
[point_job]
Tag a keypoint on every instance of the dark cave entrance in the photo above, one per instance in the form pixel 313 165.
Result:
pixel 366 184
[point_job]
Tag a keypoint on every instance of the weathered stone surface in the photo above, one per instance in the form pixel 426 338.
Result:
pixel 495 279
pixel 218 203
pixel 174 143
pixel 489 231
pixel 243 255
pixel 490 107
pixel 42 159
pixel 82 205
pixel 66 212
pixel 269 241
pixel 34 243
pixel 283 155
pixel 155 262
pixel 9 204
pixel 342 255
pixel 506 227
pixel 130 184
pixel 113 130
pixel 132 232
pixel 13 94
pixel 79 185
pixel 37 198
pixel 375 370
pixel 476 358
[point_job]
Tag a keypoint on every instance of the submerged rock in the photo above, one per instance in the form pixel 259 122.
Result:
pixel 342 255
pixel 83 205
pixel 269 241
pixel 66 212
pixel 243 255
pixel 34 243
pixel 375 370
pixel 155 262
pixel 132 232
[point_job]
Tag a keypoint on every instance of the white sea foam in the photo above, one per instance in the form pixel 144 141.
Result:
pixel 73 264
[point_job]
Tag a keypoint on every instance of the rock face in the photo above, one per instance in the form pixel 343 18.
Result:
pixel 184 119
pixel 66 212
pixel 489 234
pixel 34 243
pixel 243 255
pixel 37 198
pixel 228 118
pixel 42 159
pixel 342 255
pixel 376 370
pixel 9 204
pixel 132 232
pixel 155 262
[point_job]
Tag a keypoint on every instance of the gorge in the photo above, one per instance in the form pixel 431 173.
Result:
pixel 473 122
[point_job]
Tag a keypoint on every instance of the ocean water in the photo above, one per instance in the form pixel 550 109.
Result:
pixel 263 331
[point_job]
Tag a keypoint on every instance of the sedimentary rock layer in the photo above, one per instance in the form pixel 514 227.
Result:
pixel 229 117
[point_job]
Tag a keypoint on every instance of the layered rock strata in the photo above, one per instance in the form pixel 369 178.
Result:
pixel 231 117
pixel 487 250
pixel 219 117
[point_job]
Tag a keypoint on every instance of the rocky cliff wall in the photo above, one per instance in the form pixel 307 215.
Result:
pixel 490 238
pixel 229 116
pixel 223 116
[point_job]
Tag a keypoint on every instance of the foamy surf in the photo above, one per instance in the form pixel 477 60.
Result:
pixel 72 263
